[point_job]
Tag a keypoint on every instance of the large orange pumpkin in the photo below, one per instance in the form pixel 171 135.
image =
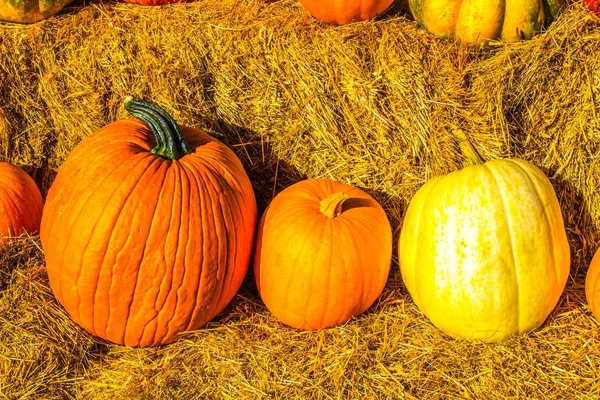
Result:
pixel 592 285
pixel 339 12
pixel 148 229
pixel 483 251
pixel 20 202
pixel 323 254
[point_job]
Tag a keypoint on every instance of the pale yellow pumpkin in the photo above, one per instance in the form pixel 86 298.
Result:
pixel 483 251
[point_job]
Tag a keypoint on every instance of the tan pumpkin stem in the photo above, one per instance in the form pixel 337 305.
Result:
pixel 467 148
pixel 331 206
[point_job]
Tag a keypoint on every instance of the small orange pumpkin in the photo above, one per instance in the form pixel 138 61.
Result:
pixel 323 254
pixel 20 202
pixel 339 12
pixel 148 229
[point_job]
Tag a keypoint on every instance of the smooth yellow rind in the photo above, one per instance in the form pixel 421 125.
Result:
pixel 483 251
pixel 526 17
pixel 480 20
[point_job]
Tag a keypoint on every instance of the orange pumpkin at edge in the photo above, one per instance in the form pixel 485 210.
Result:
pixel 148 229
pixel 21 202
pixel 339 12
pixel 592 285
pixel 322 255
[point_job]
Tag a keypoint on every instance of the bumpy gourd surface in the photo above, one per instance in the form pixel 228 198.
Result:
pixel 140 248
pixel 475 21
pixel 483 251
pixel 27 11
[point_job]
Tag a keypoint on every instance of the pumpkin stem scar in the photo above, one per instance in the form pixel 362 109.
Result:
pixel 331 206
pixel 466 147
pixel 170 143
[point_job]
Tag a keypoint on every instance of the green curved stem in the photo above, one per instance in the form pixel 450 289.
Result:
pixel 169 140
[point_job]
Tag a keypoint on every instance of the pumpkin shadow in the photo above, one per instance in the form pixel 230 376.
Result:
pixel 399 8
pixel 269 175
pixel 77 6
pixel 583 235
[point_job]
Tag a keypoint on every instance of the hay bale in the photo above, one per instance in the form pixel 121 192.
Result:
pixel 371 104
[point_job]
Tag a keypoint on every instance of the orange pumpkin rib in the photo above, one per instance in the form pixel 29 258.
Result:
pixel 179 265
pixel 78 204
pixel 18 221
pixel 20 202
pixel 11 212
pixel 112 242
pixel 354 220
pixel 181 297
pixel 230 245
pixel 164 287
pixel 205 278
pixel 358 307
pixel 315 240
pixel 591 284
pixel 178 319
pixel 216 231
pixel 110 213
pixel 195 212
pixel 157 234
pixel 287 229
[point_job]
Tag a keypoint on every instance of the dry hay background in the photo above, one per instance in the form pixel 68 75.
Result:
pixel 372 104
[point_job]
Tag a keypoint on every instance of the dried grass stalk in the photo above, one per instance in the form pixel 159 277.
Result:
pixel 371 104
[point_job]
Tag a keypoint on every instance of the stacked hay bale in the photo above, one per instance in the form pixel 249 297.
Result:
pixel 371 104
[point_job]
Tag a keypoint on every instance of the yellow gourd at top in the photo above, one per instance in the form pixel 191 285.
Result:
pixel 483 251
pixel 28 11
pixel 476 21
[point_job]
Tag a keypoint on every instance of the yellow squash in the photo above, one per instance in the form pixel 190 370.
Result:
pixel 483 251
pixel 29 11
pixel 476 21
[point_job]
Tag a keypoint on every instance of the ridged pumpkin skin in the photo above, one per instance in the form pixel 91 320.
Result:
pixel 315 271
pixel 29 11
pixel 339 12
pixel 140 248
pixel 592 285
pixel 483 251
pixel 476 21
pixel 20 202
